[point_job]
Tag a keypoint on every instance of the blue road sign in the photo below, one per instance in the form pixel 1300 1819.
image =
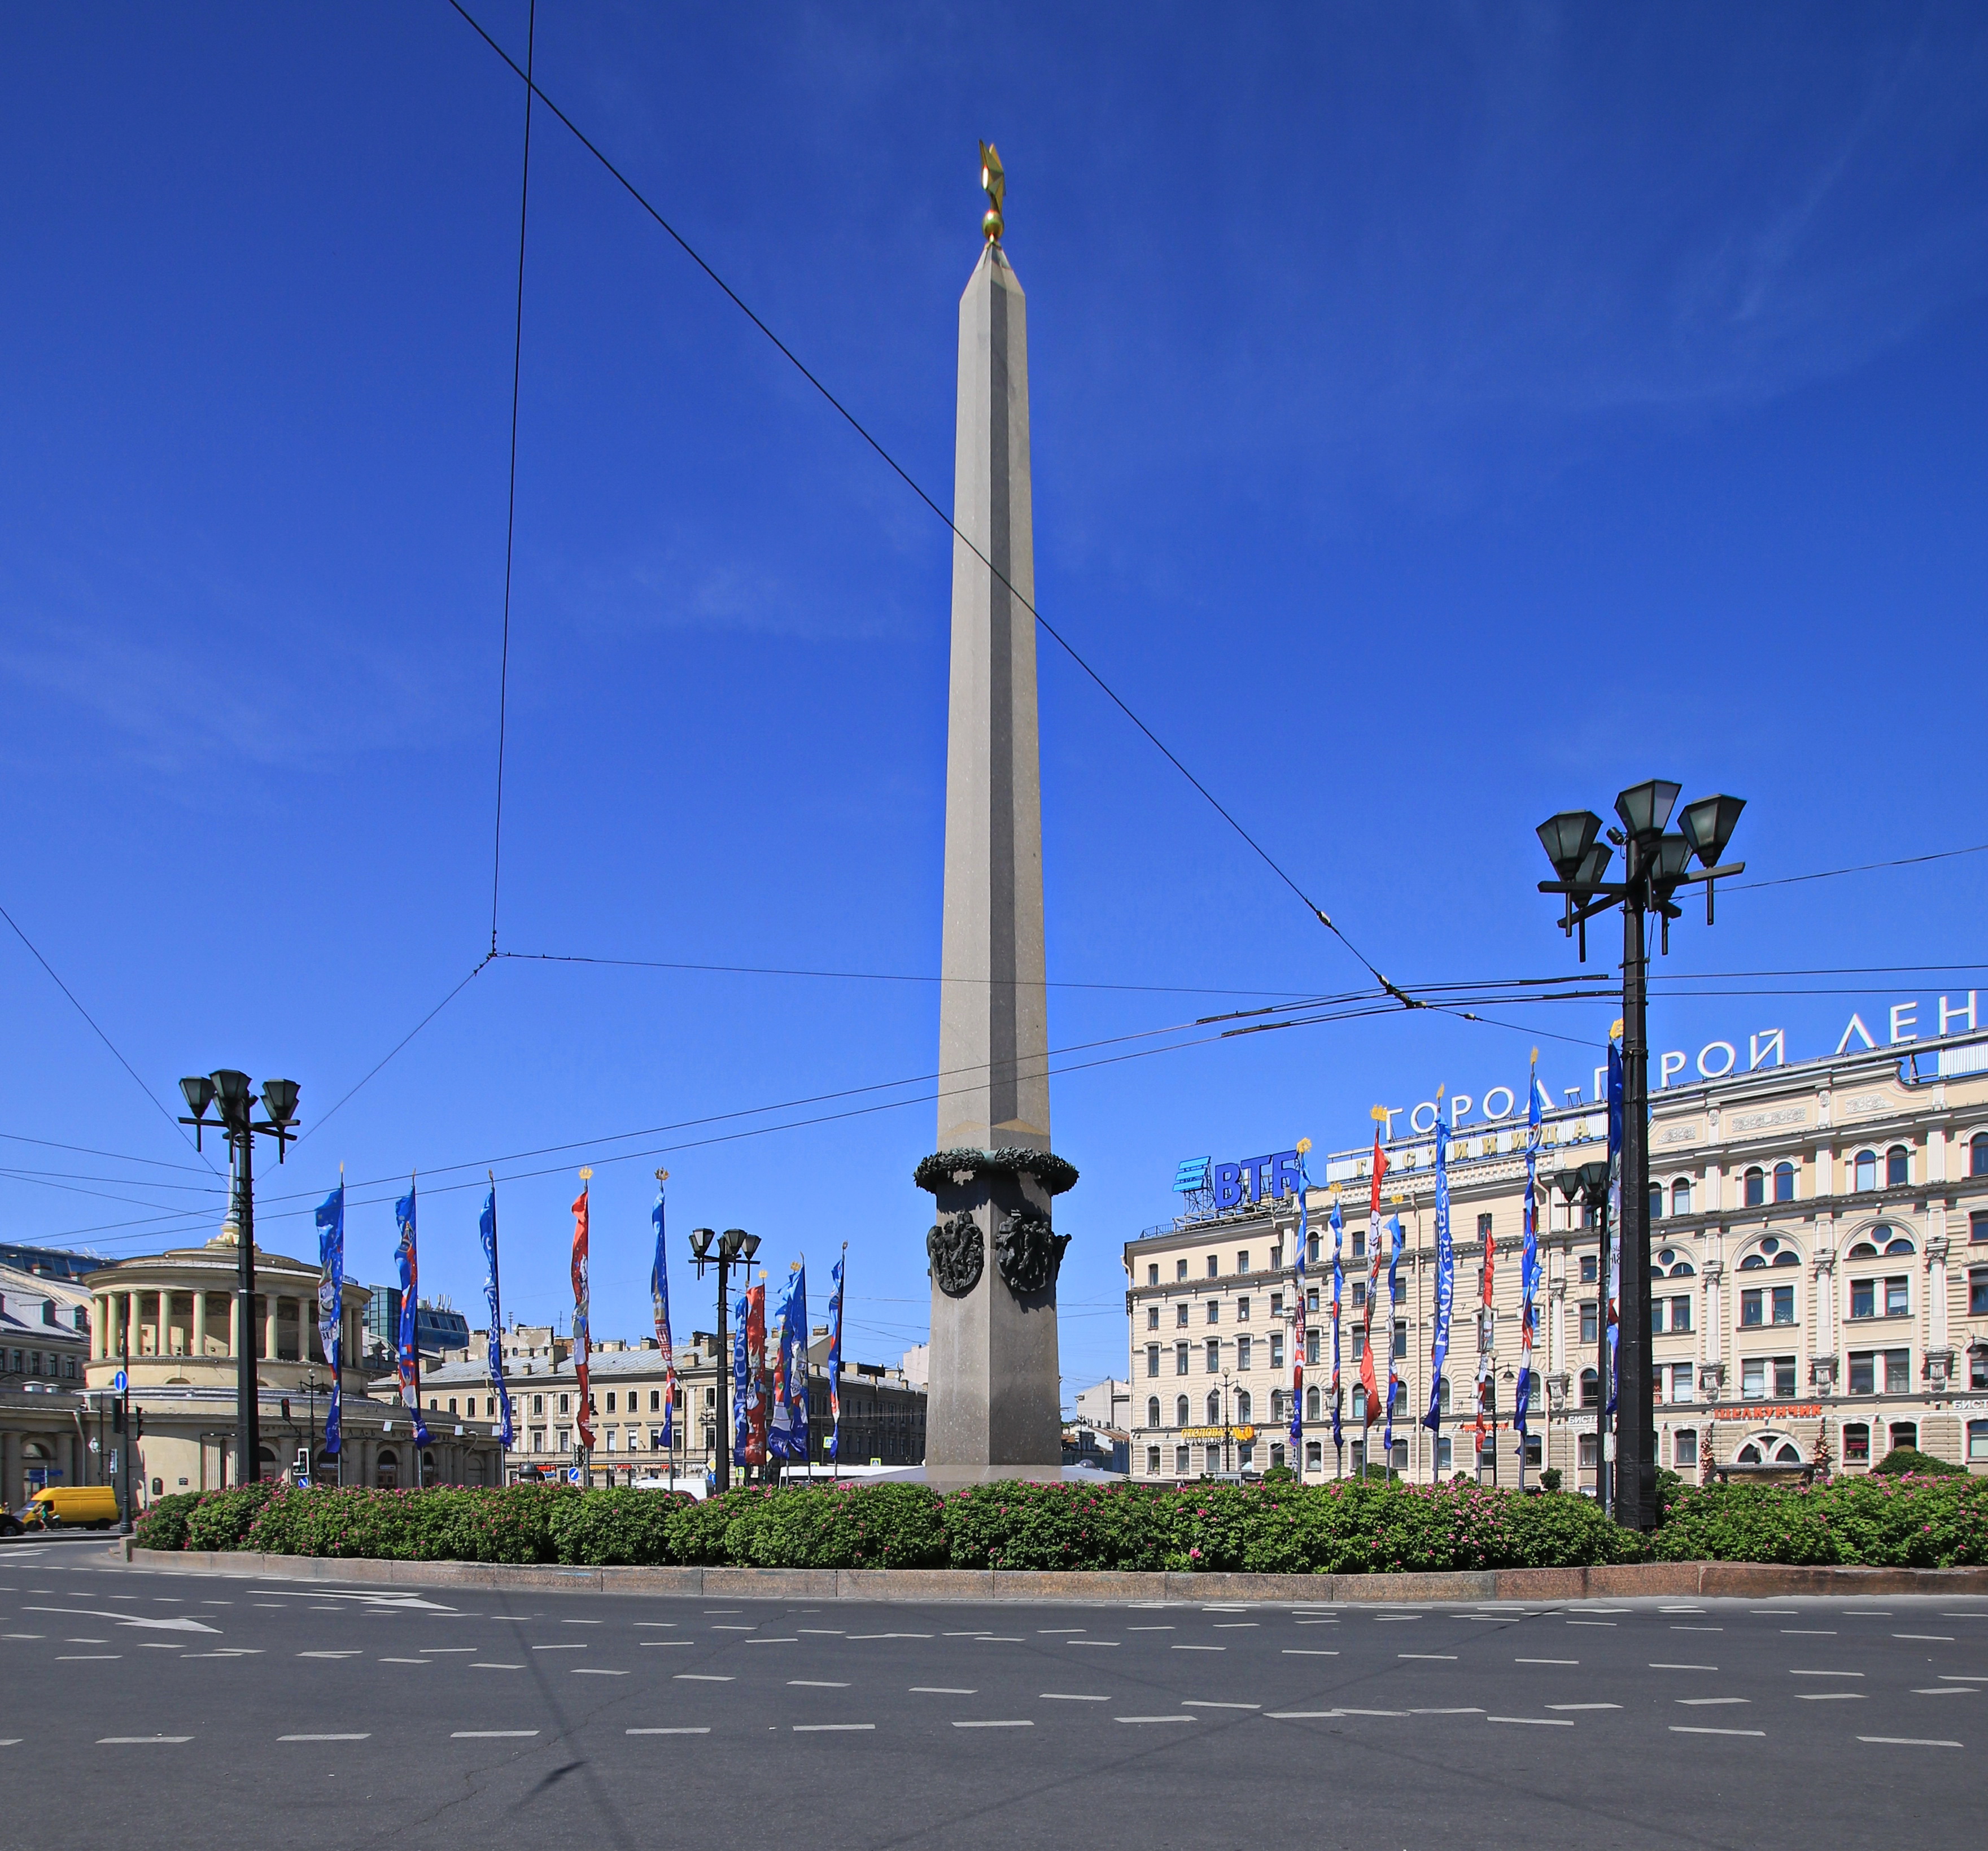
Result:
pixel 118 1382
pixel 573 1474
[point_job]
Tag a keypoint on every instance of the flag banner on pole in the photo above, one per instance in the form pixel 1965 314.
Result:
pixel 1394 1293
pixel 1299 1326
pixel 330 1297
pixel 407 1355
pixel 486 1226
pixel 755 1374
pixel 659 1292
pixel 1367 1380
pixel 1338 1225
pixel 835 1357
pixel 1445 1278
pixel 741 1383
pixel 1529 1266
pixel 1479 1396
pixel 582 1328
pixel 778 1413
pixel 797 1362
pixel 1615 1213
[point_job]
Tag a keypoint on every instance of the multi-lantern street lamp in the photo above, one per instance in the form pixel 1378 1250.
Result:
pixel 234 1092
pixel 1656 862
pixel 735 1247
pixel 1586 1186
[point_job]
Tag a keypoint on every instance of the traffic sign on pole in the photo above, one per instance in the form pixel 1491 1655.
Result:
pixel 118 1382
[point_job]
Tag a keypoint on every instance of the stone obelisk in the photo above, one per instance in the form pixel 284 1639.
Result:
pixel 994 1400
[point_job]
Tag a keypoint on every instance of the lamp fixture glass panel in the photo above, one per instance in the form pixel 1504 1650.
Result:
pixel 1568 1183
pixel 279 1101
pixel 1645 808
pixel 1673 856
pixel 233 1087
pixel 752 1245
pixel 1593 869
pixel 1566 839
pixel 1708 825
pixel 1594 1177
pixel 198 1090
pixel 701 1238
pixel 728 1242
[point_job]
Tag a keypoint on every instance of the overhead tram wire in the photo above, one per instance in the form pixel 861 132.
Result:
pixel 171 1118
pixel 911 483
pixel 511 502
pixel 1830 873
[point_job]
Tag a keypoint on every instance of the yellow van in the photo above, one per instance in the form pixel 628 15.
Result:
pixel 80 1507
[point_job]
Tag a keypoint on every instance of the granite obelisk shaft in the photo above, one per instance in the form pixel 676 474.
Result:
pixel 994 1407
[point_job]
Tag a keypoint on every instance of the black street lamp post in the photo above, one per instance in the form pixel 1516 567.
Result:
pixel 735 1247
pixel 1654 861
pixel 234 1092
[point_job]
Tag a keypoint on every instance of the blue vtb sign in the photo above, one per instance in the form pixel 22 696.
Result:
pixel 1251 1179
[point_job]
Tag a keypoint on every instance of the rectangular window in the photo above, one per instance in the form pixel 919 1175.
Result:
pixel 1311 1299
pixel 560 1439
pixel 656 1439
pixel 1152 1359
pixel 1863 1372
pixel 1153 1273
pixel 1359 1296
pixel 1360 1243
pixel 1484 1227
pixel 452 1405
pixel 1784 1304
pixel 1359 1345
pixel 1182 1312
pixel 1358 1460
pixel 1180 1272
pixel 1753 1377
pixel 1591 1265
pixel 1245 1455
pixel 1276 1305
pixel 1277 1257
pixel 1445 1454
pixel 1898 1297
pixel 1241 1310
pixel 1683 1382
pixel 538 1440
pixel 1152 1316
pixel 1400 1336
pixel 1276 1349
pixel 1314 1456
pixel 1977 1225
pixel 1243 1350
pixel 1587 1449
pixel 1311 1345
pixel 1215 1355
pixel 1684 1448
pixel 538 1404
pixel 1863 1297
pixel 1856 1442
pixel 1977 1442
pixel 1977 1369
pixel 1180 1358
pixel 1152 1462
pixel 565 1407
pixel 610 1401
pixel 1681 1314
pixel 1213 1266
pixel 1591 1329
pixel 1214 1311
pixel 1535 1453
pixel 1242 1260
pixel 1180 1452
pixel 1752 1307
pixel 1977 1293
pixel 1898 1372
pixel 1905 1432
pixel 1784 1378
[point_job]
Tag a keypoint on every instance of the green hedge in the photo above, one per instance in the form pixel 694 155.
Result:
pixel 1352 1527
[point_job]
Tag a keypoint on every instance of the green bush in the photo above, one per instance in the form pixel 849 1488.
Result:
pixel 512 1523
pixel 877 1526
pixel 222 1520
pixel 164 1525
pixel 1903 1459
pixel 616 1528
pixel 1870 1521
pixel 1017 1524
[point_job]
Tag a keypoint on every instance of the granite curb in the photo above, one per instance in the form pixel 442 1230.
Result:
pixel 1689 1579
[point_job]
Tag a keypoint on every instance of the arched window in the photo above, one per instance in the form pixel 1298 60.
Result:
pixel 1152 1410
pixel 1898 1167
pixel 1897 1245
pixel 1311 1404
pixel 1863 1250
pixel 1749 1454
pixel 1681 1197
pixel 1786 1258
pixel 1180 1411
pixel 1867 1170
pixel 1242 1406
pixel 1785 1454
pixel 1756 1186
pixel 1684 1270
pixel 1360 1402
pixel 1442 1395
pixel 1784 1181
pixel 1214 1409
pixel 1276 1407
pixel 1656 1203
pixel 1753 1263
pixel 1977 1159
pixel 1591 1388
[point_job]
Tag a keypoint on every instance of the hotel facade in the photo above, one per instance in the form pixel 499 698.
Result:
pixel 1819 1250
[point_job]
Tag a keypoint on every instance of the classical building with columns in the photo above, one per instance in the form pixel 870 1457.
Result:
pixel 171 1320
pixel 1819 1285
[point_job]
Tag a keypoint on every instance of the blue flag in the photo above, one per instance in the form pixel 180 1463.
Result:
pixel 1529 1266
pixel 330 1298
pixel 796 1374
pixel 835 1356
pixel 742 1382
pixel 1445 1278
pixel 659 1292
pixel 486 1226
pixel 407 1356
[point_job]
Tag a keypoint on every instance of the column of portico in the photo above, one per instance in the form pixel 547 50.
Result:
pixel 162 1326
pixel 269 1327
pixel 200 1322
pixel 132 1338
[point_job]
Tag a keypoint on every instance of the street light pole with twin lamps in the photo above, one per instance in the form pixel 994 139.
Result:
pixel 735 1247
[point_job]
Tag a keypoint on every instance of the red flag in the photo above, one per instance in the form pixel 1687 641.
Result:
pixel 582 1337
pixel 756 1409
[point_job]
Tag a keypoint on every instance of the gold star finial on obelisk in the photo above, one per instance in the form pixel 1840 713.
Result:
pixel 994 182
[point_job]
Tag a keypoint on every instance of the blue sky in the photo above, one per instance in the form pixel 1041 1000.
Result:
pixel 1442 416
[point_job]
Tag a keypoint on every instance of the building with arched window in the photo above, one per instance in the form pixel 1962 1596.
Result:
pixel 1818 1292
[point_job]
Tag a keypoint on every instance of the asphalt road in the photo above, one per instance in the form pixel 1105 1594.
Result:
pixel 144 1708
